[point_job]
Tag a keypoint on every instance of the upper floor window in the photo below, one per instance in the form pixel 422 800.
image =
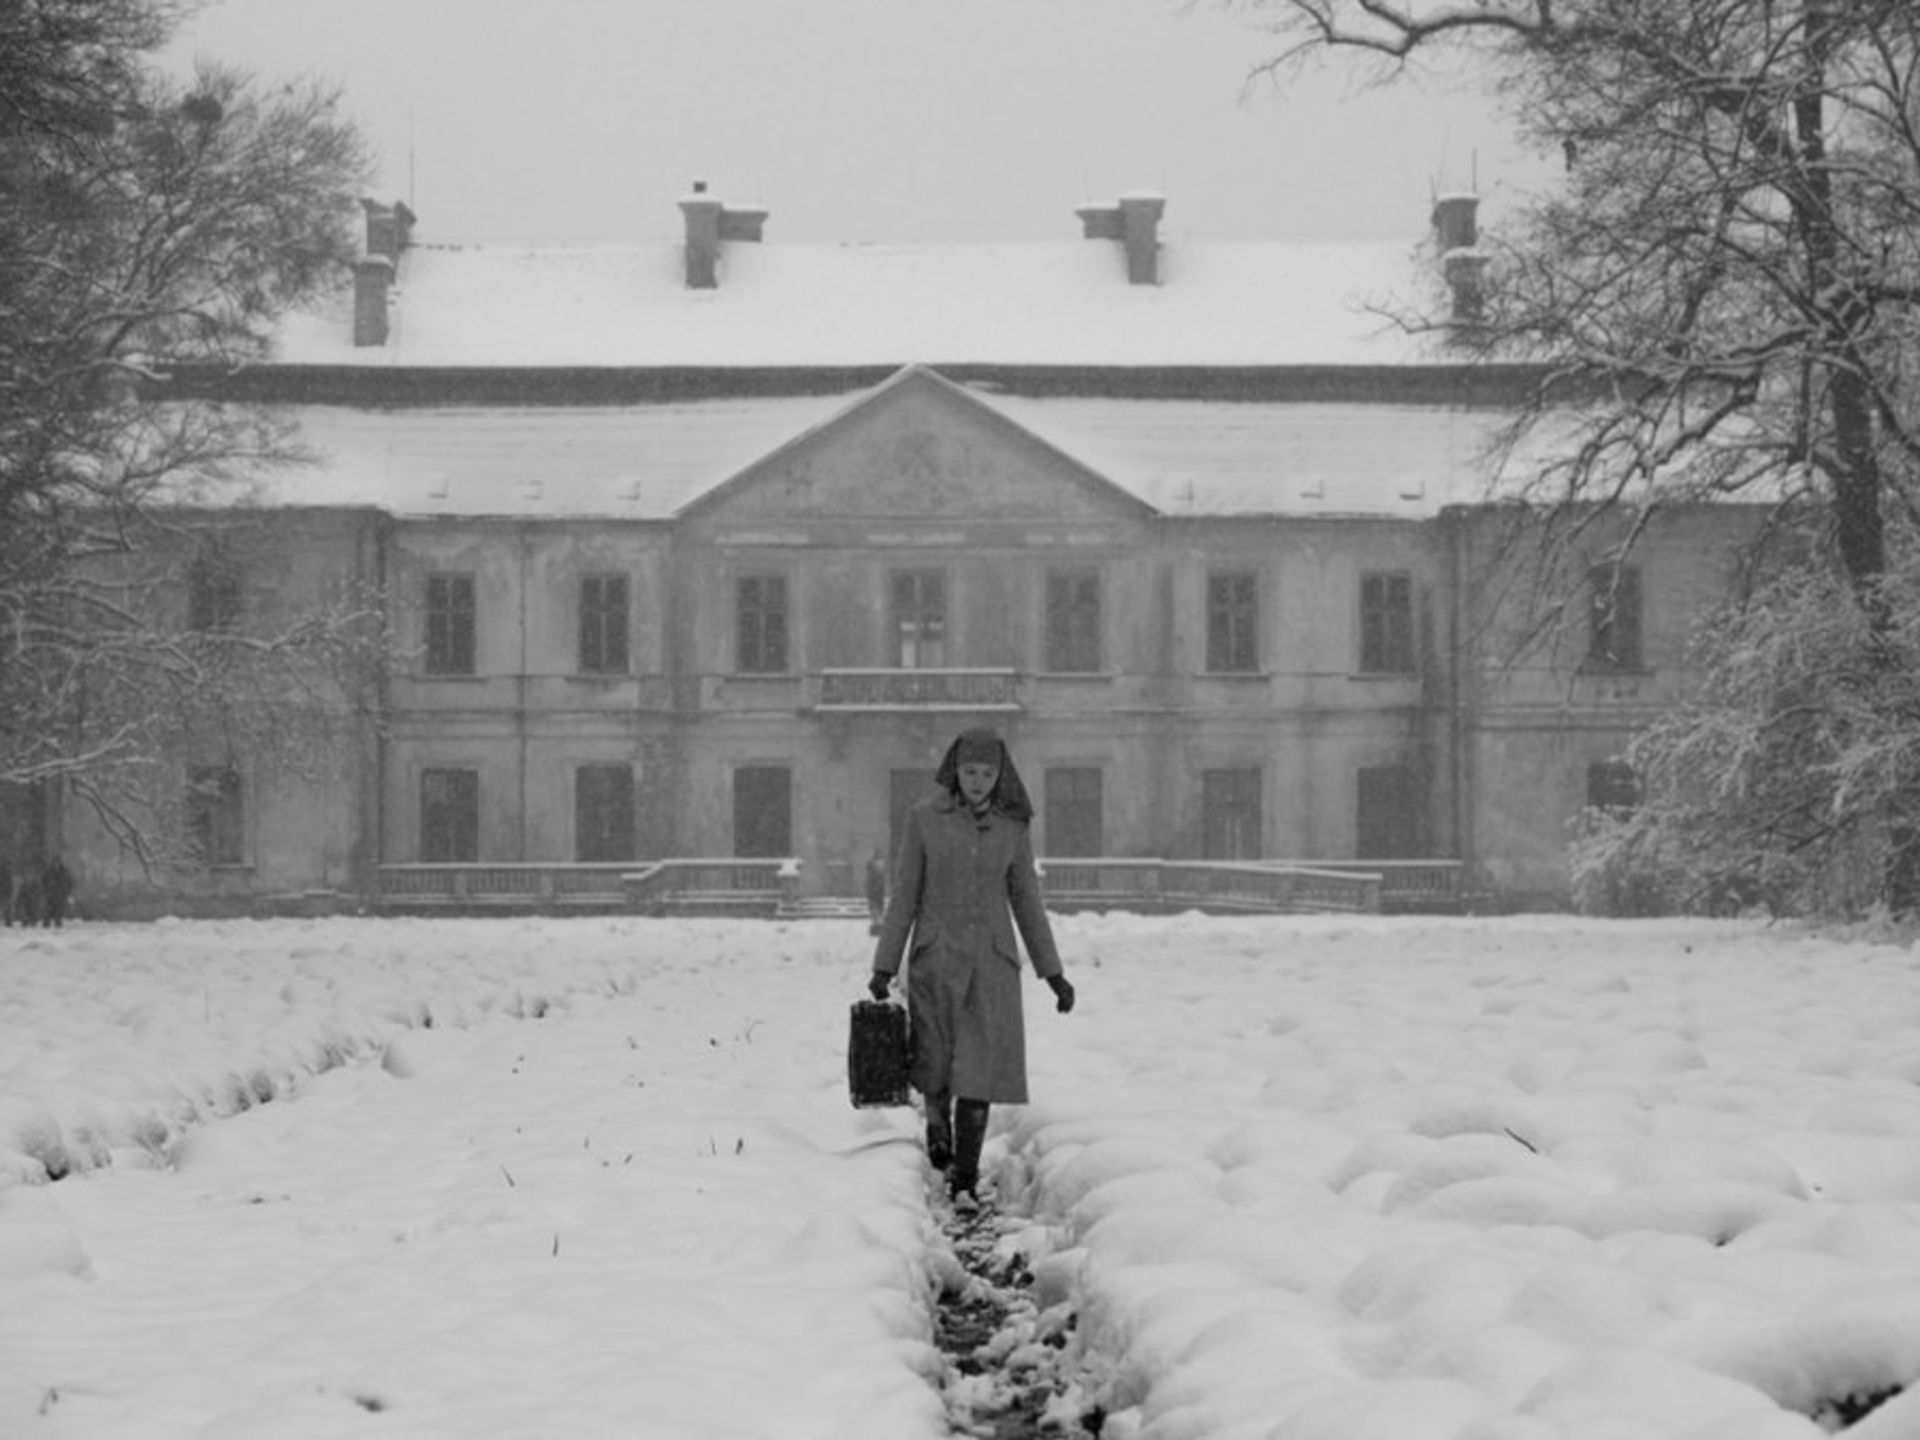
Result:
pixel 213 593
pixel 760 625
pixel 603 624
pixel 1386 623
pixel 918 606
pixel 449 816
pixel 450 624
pixel 216 815
pixel 1233 635
pixel 1073 621
pixel 1613 623
pixel 1230 814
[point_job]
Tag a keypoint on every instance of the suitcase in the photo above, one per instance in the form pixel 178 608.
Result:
pixel 877 1055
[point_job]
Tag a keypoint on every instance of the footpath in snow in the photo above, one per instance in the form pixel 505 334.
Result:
pixel 1297 1179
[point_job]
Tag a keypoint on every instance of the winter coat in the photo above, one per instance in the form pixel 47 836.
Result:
pixel 959 887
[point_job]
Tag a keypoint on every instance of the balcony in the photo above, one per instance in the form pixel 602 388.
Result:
pixel 854 692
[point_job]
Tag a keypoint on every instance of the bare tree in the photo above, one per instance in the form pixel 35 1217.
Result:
pixel 1728 280
pixel 143 222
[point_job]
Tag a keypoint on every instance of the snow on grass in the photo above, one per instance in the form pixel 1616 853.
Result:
pixel 1299 1179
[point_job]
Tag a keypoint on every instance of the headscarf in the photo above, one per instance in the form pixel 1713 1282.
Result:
pixel 982 744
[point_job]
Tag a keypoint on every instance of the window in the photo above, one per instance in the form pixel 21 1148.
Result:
pixel 762 811
pixel 1613 630
pixel 213 593
pixel 918 601
pixel 760 625
pixel 1230 814
pixel 1612 786
pixel 603 624
pixel 1233 635
pixel 449 816
pixel 1073 621
pixel 215 819
pixel 1075 824
pixel 603 813
pixel 1389 823
pixel 1386 623
pixel 450 624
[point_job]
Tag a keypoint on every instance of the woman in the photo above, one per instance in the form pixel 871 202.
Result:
pixel 963 879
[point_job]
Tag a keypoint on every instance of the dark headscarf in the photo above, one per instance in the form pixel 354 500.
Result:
pixel 983 743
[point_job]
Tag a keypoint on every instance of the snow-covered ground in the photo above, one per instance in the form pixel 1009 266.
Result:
pixel 1294 1178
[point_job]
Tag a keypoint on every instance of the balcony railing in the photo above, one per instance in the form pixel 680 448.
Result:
pixel 696 886
pixel 848 691
pixel 1158 885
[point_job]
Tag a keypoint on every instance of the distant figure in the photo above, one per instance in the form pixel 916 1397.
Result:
pixel 6 892
pixel 56 892
pixel 876 892
pixel 962 883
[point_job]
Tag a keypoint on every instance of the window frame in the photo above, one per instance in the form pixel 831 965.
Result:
pixel 441 842
pixel 762 623
pixel 592 847
pixel 451 618
pixel 1074 618
pixel 1081 816
pixel 604 623
pixel 927 612
pixel 1217 814
pixel 1387 642
pixel 217 814
pixel 1233 622
pixel 1616 611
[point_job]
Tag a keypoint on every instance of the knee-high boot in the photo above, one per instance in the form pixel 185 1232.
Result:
pixel 940 1129
pixel 969 1134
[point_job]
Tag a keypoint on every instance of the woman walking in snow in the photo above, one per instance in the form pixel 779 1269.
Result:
pixel 963 880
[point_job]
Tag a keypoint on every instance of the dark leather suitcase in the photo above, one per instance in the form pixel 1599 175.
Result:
pixel 877 1055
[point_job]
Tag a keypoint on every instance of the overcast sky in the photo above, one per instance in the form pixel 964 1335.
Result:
pixel 585 120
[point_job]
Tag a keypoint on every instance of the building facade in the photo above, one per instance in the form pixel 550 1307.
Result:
pixel 1247 607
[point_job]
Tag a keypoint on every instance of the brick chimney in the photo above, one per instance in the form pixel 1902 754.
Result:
pixel 389 228
pixel 708 223
pixel 1134 220
pixel 1456 236
pixel 372 279
pixel 389 233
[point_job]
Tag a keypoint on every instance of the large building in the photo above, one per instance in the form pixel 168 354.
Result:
pixel 706 548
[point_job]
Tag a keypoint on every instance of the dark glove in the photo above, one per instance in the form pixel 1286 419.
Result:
pixel 878 984
pixel 1062 992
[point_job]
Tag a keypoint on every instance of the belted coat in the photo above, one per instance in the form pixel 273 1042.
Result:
pixel 960 886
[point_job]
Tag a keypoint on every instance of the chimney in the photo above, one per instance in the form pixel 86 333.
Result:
pixel 1456 236
pixel 372 279
pixel 389 228
pixel 708 223
pixel 1134 221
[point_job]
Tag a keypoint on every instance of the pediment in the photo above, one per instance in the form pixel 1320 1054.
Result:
pixel 918 447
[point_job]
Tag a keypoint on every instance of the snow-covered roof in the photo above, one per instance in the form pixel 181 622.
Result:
pixel 647 462
pixel 1041 303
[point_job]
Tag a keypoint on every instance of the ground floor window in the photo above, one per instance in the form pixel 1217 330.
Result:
pixel 1389 822
pixel 1074 820
pixel 1230 814
pixel 449 816
pixel 216 819
pixel 603 813
pixel 762 811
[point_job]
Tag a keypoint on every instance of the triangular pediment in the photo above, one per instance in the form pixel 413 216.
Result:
pixel 918 447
